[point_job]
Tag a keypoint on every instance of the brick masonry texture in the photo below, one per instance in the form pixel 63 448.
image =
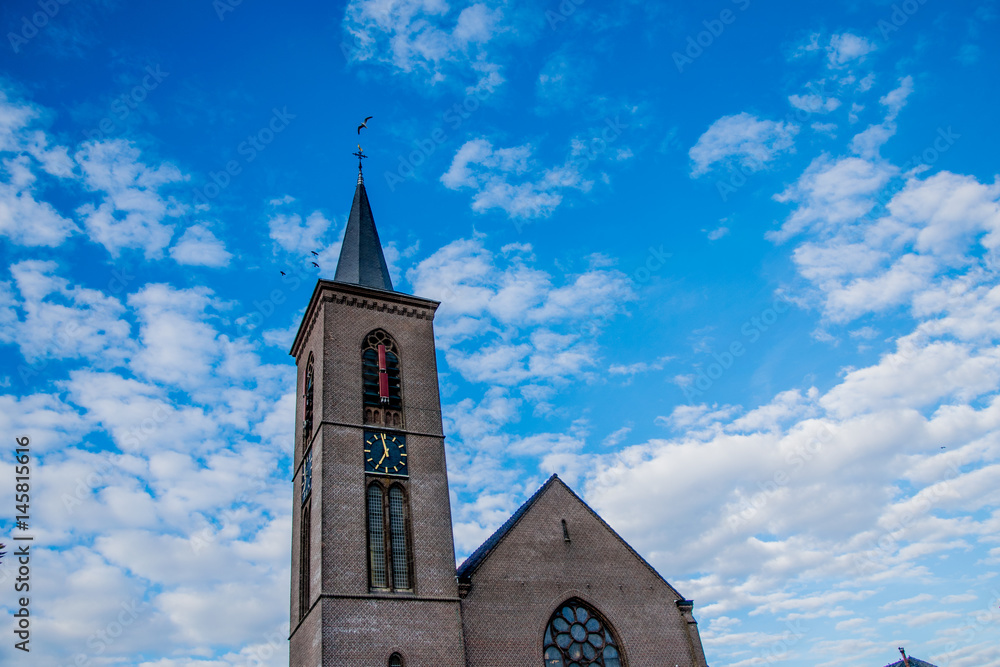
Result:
pixel 358 627
pixel 514 590
pixel 533 570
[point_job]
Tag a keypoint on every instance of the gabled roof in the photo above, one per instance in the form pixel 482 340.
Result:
pixel 472 563
pixel 466 569
pixel 914 662
pixel 361 260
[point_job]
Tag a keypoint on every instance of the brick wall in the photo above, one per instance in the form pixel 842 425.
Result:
pixel 359 627
pixel 532 570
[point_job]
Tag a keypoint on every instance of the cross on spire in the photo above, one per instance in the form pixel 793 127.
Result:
pixel 360 155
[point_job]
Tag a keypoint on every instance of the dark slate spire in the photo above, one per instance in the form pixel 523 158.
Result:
pixel 361 260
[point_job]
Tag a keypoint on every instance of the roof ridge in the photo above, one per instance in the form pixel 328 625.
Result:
pixel 470 564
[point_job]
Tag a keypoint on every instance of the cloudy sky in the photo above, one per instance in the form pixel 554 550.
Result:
pixel 729 269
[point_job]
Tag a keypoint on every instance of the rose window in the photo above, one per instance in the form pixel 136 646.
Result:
pixel 577 637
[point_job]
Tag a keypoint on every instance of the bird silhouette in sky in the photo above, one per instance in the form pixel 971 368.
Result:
pixel 364 124
pixel 315 264
pixel 314 252
pixel 282 272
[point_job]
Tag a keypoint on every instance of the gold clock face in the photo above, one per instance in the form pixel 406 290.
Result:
pixel 385 453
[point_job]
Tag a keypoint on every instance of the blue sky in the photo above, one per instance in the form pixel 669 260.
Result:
pixel 729 269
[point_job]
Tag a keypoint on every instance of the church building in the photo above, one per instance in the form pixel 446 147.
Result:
pixel 374 582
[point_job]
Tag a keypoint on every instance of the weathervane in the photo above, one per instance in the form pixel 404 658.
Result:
pixel 361 154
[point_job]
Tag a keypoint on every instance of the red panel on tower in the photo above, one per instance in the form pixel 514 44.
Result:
pixel 383 376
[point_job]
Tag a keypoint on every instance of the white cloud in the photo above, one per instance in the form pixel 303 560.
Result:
pixel 198 246
pixel 481 292
pixel 813 103
pixel 427 38
pixel 61 321
pixel 23 219
pixel 178 345
pixel 132 212
pixel 847 47
pixel 717 233
pixel 742 139
pixel 490 171
pixel 298 236
pixel 832 193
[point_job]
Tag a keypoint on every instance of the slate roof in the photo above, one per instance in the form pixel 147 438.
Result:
pixel 472 563
pixel 914 662
pixel 466 569
pixel 361 260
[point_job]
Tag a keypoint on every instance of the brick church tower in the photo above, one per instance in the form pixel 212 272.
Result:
pixel 374 581
pixel 373 561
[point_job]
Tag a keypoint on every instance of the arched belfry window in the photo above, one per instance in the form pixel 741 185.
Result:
pixel 577 635
pixel 308 390
pixel 381 380
pixel 395 660
pixel 389 557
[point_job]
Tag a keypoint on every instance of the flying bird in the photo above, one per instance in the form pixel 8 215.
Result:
pixel 314 252
pixel 315 264
pixel 281 272
pixel 364 124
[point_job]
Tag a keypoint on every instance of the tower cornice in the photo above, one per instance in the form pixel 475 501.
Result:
pixel 359 296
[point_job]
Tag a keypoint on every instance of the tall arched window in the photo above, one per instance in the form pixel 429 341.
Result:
pixel 381 380
pixel 389 561
pixel 578 635
pixel 395 660
pixel 397 535
pixel 305 539
pixel 376 537
pixel 308 390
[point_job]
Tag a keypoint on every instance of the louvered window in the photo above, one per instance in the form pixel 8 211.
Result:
pixel 381 380
pixel 308 390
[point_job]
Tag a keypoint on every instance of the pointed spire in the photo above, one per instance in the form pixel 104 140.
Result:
pixel 361 259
